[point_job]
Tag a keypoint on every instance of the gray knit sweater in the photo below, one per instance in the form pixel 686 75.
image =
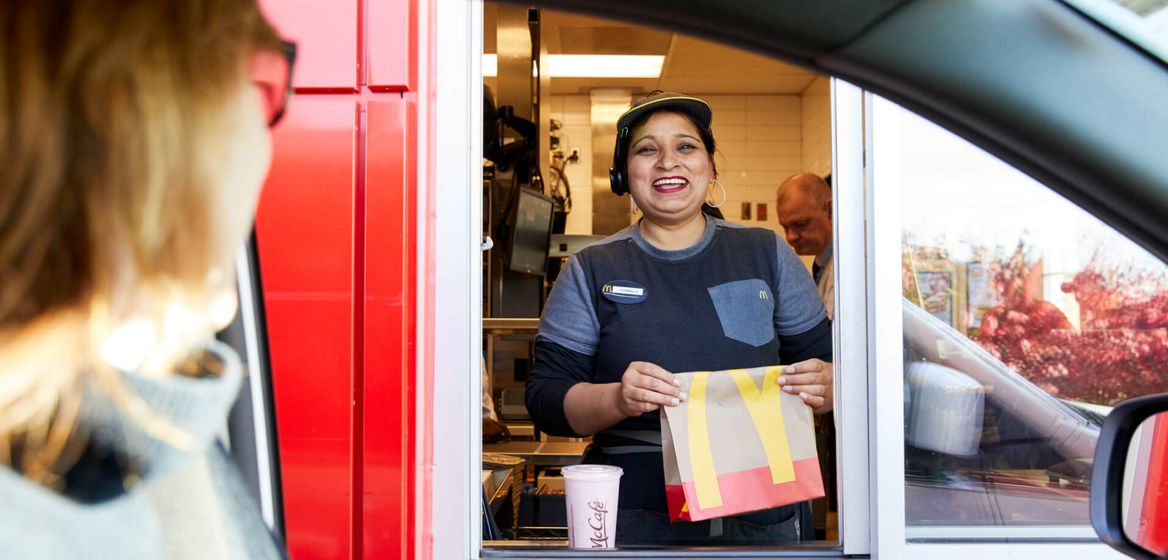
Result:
pixel 189 503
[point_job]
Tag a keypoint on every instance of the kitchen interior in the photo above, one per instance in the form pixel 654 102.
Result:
pixel 555 84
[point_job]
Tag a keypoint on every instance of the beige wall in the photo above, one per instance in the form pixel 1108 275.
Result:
pixel 816 101
pixel 816 122
pixel 759 144
pixel 762 139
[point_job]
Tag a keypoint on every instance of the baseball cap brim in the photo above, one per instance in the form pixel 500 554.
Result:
pixel 668 100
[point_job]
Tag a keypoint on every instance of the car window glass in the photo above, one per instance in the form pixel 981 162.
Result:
pixel 1144 22
pixel 1025 320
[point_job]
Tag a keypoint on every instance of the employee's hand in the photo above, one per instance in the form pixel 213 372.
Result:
pixel 646 387
pixel 813 381
pixel 495 432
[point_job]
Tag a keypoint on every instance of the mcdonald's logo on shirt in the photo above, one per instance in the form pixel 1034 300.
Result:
pixel 623 291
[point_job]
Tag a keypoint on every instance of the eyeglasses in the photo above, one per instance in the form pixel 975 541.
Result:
pixel 271 72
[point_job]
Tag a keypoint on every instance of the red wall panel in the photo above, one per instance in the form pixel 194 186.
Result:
pixel 304 229
pixel 336 230
pixel 326 33
pixel 388 318
pixel 390 39
pixel 309 342
pixel 309 197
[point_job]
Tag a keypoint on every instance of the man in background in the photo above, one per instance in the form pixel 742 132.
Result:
pixel 804 210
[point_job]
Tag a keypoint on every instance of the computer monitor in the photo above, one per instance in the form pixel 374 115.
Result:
pixel 531 233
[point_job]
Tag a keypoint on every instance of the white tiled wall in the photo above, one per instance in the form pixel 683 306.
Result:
pixel 761 140
pixel 817 127
pixel 816 117
pixel 759 144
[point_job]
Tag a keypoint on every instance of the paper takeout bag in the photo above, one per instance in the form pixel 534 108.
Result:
pixel 738 444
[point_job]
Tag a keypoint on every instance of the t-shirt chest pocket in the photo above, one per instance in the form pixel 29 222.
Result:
pixel 746 310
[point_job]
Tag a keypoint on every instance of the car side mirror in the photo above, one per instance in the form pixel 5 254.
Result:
pixel 1129 485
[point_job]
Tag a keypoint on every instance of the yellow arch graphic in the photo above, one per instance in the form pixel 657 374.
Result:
pixel 766 413
pixel 762 405
pixel 700 454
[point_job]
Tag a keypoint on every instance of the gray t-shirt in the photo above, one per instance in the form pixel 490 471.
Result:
pixel 738 298
pixel 726 302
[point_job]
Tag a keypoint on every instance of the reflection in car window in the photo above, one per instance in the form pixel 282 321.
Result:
pixel 1025 319
pixel 1143 22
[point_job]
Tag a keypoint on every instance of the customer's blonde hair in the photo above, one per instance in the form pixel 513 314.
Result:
pixel 108 113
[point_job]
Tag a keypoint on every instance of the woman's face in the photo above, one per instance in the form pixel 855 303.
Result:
pixel 669 168
pixel 244 160
pixel 241 165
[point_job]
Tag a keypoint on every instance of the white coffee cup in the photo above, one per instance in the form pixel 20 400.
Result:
pixel 591 493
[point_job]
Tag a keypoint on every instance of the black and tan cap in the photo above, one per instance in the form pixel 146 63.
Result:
pixel 656 101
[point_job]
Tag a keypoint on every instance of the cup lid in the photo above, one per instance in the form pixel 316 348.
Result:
pixel 591 472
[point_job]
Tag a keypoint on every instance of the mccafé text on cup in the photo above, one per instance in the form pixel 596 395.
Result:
pixel 591 493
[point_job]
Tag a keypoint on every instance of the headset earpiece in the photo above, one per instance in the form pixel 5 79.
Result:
pixel 616 181
pixel 616 174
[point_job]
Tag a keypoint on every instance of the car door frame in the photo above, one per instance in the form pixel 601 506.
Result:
pixel 458 34
pixel 250 434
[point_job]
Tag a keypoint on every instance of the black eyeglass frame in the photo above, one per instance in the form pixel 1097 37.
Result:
pixel 288 49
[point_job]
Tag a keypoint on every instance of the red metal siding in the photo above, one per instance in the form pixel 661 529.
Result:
pixel 336 227
pixel 391 40
pixel 389 321
pixel 305 234
pixel 326 34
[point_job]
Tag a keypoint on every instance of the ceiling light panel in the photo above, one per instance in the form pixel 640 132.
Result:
pixel 592 66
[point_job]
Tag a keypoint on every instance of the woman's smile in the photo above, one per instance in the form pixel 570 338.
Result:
pixel 668 185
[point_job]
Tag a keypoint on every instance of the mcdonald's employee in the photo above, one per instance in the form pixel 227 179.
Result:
pixel 804 210
pixel 680 290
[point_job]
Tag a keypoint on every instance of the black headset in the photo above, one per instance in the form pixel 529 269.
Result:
pixel 617 173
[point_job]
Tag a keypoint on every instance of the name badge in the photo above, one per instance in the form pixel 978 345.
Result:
pixel 624 291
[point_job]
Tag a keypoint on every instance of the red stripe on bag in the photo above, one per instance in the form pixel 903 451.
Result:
pixel 746 491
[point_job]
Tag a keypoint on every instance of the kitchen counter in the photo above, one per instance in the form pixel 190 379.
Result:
pixel 542 453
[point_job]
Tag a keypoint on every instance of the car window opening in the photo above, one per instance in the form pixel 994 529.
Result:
pixel 547 195
pixel 1007 323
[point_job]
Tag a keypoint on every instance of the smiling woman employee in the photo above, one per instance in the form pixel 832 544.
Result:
pixel 677 291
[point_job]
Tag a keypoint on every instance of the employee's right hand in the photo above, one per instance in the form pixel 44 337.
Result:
pixel 494 432
pixel 646 387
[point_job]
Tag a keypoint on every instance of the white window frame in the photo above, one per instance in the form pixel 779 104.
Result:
pixel 886 363
pixel 453 155
pixel 850 323
pixel 458 210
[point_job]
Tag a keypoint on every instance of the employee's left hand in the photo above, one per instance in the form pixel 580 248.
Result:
pixel 494 432
pixel 812 380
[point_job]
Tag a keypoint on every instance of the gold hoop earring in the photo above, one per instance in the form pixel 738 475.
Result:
pixel 708 193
